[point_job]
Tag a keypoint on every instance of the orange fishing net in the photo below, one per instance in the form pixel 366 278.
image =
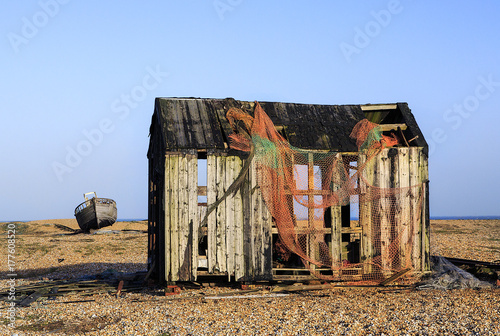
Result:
pixel 307 193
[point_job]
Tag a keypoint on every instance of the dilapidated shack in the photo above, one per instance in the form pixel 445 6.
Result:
pixel 241 239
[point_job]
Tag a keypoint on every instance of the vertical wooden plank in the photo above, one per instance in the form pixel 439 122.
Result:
pixel 376 212
pixel 166 222
pixel 336 246
pixel 182 222
pixel 211 221
pixel 193 219
pixel 404 200
pixel 267 260
pixel 221 213
pixel 395 210
pixel 415 181
pixel 425 220
pixel 154 222
pixel 365 215
pixel 263 235
pixel 230 176
pixel 312 249
pixel 174 217
pixel 384 174
pixel 264 230
pixel 256 224
pixel 247 226
pixel 238 226
pixel 151 220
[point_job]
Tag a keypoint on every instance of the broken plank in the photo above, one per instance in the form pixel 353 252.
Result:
pixel 27 301
pixel 119 290
pixel 79 301
pixel 301 288
pixel 251 296
pixel 395 276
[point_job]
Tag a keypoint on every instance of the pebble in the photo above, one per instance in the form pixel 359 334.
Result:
pixel 337 311
pixel 351 311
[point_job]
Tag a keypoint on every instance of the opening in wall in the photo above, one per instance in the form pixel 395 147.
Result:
pixel 202 181
pixel 202 209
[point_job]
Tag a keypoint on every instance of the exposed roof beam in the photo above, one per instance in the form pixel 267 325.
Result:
pixel 392 127
pixel 376 107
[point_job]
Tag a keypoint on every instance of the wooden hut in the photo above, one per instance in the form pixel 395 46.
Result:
pixel 238 240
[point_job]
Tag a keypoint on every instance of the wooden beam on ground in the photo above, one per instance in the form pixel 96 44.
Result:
pixel 27 301
pixel 395 276
pixel 457 261
pixel 301 288
pixel 80 301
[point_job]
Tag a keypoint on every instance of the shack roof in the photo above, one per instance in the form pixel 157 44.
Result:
pixel 201 124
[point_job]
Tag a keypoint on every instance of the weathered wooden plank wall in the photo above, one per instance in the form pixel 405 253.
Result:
pixel 181 218
pixel 401 218
pixel 238 231
pixel 260 247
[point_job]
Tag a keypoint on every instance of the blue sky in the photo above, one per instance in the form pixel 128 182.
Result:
pixel 79 80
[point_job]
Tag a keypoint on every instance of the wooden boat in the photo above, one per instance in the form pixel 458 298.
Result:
pixel 95 213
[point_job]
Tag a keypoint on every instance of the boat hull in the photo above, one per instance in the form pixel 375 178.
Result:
pixel 96 213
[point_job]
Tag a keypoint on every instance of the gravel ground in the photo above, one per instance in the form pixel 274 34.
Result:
pixel 43 253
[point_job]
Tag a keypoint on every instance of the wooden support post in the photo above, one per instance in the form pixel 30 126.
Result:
pixel 312 248
pixel 336 245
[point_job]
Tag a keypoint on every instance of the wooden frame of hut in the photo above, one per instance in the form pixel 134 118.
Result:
pixel 238 240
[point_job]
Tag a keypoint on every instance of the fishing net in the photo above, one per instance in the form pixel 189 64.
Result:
pixel 448 276
pixel 307 193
